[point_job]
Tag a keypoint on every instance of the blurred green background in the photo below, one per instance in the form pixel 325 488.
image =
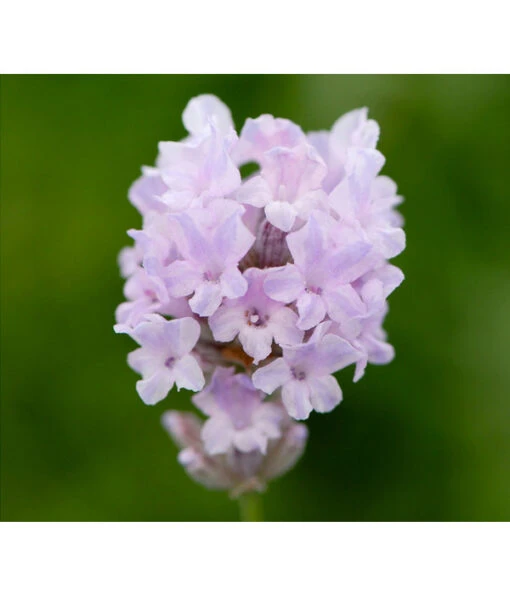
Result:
pixel 426 438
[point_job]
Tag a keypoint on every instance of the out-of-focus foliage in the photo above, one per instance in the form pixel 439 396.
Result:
pixel 425 438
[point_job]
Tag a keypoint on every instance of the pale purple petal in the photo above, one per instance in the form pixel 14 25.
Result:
pixel 256 342
pixel 206 299
pixel 182 277
pixel 255 192
pixel 283 325
pixel 325 393
pixel 287 451
pixel 307 245
pixel 355 129
pixel 203 110
pixel 232 239
pixel 346 264
pixel 249 439
pixel 156 387
pixel 281 214
pixel 233 284
pixel 188 374
pixel 151 332
pixel 311 310
pixel 390 241
pixel 184 428
pixel 362 167
pixel 181 335
pixel 272 376
pixel 284 284
pixel 217 434
pixel 333 354
pixel 143 361
pixel 226 322
pixel 296 398
pixel 343 302
pixel 262 134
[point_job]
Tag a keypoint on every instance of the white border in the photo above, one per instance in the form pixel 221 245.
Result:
pixel 268 36
pixel 245 559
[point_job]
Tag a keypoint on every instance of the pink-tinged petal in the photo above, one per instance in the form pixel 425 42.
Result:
pixel 362 167
pixel 372 293
pixel 232 239
pixel 256 342
pixel 281 214
pixel 233 284
pixel 391 276
pixel 144 193
pixel 343 302
pixel 380 352
pixel 270 377
pixel 226 322
pixel 181 335
pixel 255 192
pixel 343 201
pixel 217 435
pixel 188 373
pixel 249 439
pixel 284 284
pixel 283 325
pixel 313 201
pixel 129 260
pixel 121 328
pixel 182 277
pixel 320 331
pixel 150 332
pixel 347 264
pixel 129 314
pixel 385 189
pixel 203 110
pixel 390 241
pixel 143 361
pixel 359 370
pixel 206 299
pixel 220 176
pixel 206 470
pixel 156 387
pixel 177 200
pixel 308 244
pixel 288 451
pixel 325 394
pixel 320 141
pixel 184 428
pixel 268 418
pixel 262 134
pixel 333 354
pixel 311 310
pixel 296 398
pixel 190 240
pixel 355 129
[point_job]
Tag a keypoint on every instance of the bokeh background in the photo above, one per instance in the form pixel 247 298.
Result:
pixel 426 438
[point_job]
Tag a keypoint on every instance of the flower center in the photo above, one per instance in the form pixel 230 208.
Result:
pixel 314 289
pixel 255 319
pixel 169 362
pixel 298 374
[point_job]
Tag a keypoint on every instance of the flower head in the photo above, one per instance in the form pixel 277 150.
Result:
pixel 256 319
pixel 254 292
pixel 238 415
pixel 164 358
pixel 304 372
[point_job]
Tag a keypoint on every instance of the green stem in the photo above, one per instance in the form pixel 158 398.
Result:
pixel 250 505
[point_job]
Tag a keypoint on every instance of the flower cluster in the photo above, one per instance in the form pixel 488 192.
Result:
pixel 253 292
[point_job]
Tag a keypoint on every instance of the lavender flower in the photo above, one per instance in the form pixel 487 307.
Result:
pixel 256 291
